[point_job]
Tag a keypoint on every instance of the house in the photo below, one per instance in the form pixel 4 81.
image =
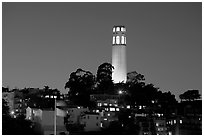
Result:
pixel 91 121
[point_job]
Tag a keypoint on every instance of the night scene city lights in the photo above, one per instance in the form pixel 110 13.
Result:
pixel 101 68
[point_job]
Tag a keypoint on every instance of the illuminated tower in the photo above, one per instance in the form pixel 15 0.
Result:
pixel 119 54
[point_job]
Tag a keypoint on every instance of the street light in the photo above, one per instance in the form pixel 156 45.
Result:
pixel 120 92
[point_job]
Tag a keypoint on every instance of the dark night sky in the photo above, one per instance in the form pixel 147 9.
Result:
pixel 42 43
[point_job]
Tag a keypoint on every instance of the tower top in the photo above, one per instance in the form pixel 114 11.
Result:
pixel 118 28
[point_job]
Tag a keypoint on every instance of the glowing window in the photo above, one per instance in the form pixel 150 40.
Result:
pixel 118 40
pixel 113 39
pixel 112 109
pixel 114 29
pixel 108 114
pixel 180 121
pixel 117 109
pixel 118 29
pixel 122 40
pixel 122 29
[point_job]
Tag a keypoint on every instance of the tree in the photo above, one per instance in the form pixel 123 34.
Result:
pixel 134 78
pixel 190 95
pixel 104 78
pixel 80 86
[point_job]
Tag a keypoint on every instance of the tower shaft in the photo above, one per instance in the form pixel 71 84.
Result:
pixel 119 55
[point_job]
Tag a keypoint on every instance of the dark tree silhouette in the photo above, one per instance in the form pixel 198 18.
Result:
pixel 190 95
pixel 81 85
pixel 104 78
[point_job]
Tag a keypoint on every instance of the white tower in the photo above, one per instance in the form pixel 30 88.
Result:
pixel 119 54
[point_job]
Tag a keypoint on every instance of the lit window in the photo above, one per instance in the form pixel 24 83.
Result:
pixel 105 104
pixel 113 39
pixel 114 29
pixel 97 111
pixel 122 29
pixel 117 39
pixel 112 109
pixel 174 121
pixel 157 124
pixel 108 114
pixel 117 109
pixel 101 124
pixel 99 104
pixel 105 119
pixel 122 40
pixel 128 106
pixel 110 104
pixel 180 121
pixel 118 29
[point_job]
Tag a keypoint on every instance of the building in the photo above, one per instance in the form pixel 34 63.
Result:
pixel 91 121
pixel 44 121
pixel 119 54
pixel 75 113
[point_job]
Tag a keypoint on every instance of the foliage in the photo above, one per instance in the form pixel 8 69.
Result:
pixel 104 78
pixel 81 85
pixel 190 95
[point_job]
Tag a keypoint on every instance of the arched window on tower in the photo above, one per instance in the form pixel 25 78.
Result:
pixel 114 29
pixel 122 40
pixel 122 29
pixel 118 29
pixel 117 39
pixel 113 39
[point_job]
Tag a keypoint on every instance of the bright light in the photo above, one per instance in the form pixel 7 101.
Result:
pixel 12 112
pixel 120 92
pixel 180 121
pixel 128 106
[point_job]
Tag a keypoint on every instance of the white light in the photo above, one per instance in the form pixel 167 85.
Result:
pixel 105 118
pixel 128 106
pixel 114 29
pixel 108 114
pixel 105 104
pixel 78 107
pixel 174 121
pixel 180 121
pixel 101 124
pixel 140 107
pixel 117 109
pixel 118 29
pixel 120 92
pixel 47 96
pixel 112 109
pixel 12 112
pixel 129 117
pixel 113 39
pixel 117 39
pixel 157 124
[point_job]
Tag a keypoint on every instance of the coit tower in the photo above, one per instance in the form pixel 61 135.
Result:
pixel 119 54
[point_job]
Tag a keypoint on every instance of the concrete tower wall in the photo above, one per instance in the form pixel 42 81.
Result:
pixel 119 54
pixel 119 63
